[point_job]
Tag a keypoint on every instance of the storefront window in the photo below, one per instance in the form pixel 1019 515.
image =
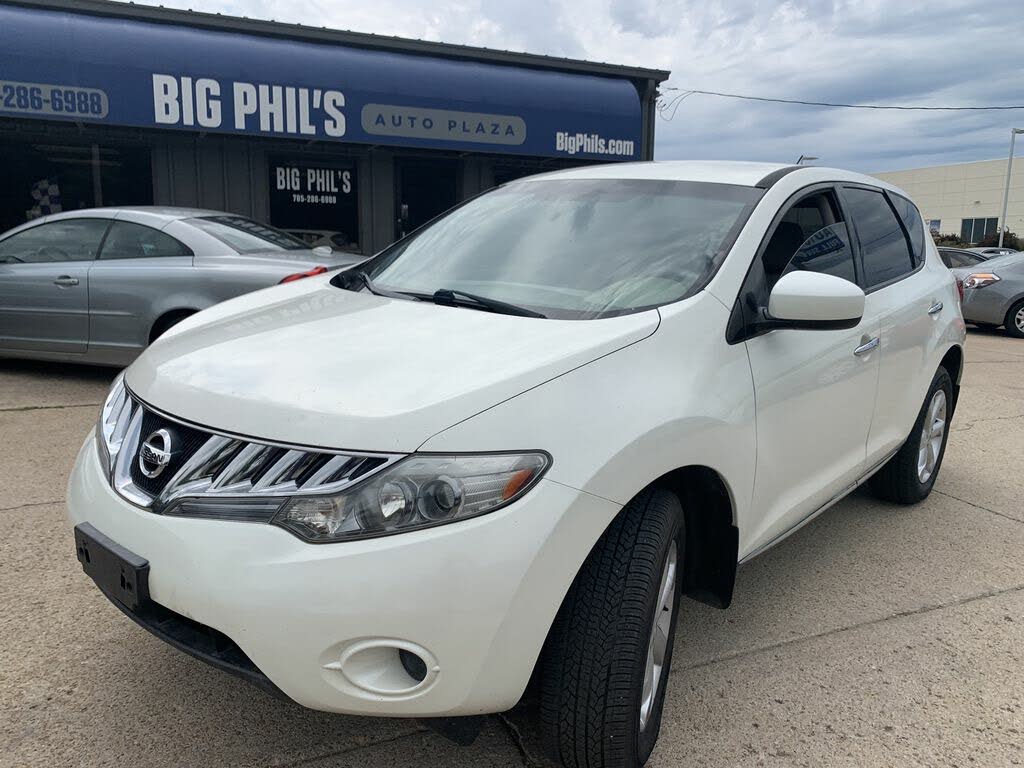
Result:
pixel 315 202
pixel 51 177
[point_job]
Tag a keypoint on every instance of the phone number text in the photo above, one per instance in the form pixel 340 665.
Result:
pixel 43 99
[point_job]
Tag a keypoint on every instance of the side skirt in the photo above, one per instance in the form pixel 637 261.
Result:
pixel 831 502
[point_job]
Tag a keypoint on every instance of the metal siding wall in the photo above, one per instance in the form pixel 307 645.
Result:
pixel 472 177
pixel 210 174
pixel 184 177
pixel 382 199
pixel 259 183
pixel 364 190
pixel 238 183
pixel 161 174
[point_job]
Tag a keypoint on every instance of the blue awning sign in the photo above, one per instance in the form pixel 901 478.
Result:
pixel 59 65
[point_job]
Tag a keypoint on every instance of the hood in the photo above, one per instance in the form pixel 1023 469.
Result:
pixel 311 364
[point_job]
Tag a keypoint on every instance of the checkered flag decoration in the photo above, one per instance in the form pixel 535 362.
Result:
pixel 47 199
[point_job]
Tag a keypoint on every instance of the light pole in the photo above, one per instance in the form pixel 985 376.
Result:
pixel 808 158
pixel 1006 189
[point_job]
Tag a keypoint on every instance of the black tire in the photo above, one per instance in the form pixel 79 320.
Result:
pixel 594 661
pixel 899 480
pixel 166 322
pixel 1012 327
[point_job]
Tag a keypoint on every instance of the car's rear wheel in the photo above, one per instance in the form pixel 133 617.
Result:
pixel 908 476
pixel 606 662
pixel 1015 320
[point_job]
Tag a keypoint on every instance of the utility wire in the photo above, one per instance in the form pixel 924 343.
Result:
pixel 689 91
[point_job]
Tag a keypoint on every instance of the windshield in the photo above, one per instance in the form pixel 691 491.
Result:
pixel 574 248
pixel 244 235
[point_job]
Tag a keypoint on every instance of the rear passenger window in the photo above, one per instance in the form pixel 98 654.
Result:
pixel 913 224
pixel 135 241
pixel 883 246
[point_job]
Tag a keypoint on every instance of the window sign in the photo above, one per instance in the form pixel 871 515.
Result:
pixel 316 203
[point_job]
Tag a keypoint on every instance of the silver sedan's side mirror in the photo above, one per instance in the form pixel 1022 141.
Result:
pixel 815 301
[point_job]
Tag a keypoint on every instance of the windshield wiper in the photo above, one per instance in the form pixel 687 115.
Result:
pixel 375 289
pixel 452 298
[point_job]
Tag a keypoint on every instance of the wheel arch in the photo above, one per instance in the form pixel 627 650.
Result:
pixel 953 362
pixel 712 536
pixel 163 320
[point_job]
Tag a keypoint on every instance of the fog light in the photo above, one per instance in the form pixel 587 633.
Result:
pixel 413 664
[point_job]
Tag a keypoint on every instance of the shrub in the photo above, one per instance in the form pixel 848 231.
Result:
pixel 951 241
pixel 1010 240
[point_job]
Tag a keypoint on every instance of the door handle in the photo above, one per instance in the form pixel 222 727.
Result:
pixel 66 281
pixel 935 308
pixel 866 347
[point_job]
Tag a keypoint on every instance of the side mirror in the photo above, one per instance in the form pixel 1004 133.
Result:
pixel 323 250
pixel 814 301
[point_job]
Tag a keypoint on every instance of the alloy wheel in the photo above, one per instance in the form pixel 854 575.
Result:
pixel 932 433
pixel 658 644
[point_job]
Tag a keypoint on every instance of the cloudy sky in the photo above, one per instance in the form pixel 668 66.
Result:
pixel 859 51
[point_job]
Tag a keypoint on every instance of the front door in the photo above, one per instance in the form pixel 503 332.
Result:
pixel 815 389
pixel 44 285
pixel 425 189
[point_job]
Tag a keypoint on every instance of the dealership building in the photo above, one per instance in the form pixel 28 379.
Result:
pixel 353 137
pixel 965 199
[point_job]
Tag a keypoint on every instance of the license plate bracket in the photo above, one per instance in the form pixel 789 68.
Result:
pixel 120 573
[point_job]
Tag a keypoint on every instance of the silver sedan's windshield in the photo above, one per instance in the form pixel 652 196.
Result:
pixel 573 248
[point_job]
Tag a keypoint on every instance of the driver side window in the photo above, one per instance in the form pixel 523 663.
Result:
pixel 56 241
pixel 810 236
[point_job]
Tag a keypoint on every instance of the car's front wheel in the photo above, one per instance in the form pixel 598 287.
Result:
pixel 606 662
pixel 908 476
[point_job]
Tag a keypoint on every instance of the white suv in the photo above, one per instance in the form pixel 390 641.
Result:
pixel 512 440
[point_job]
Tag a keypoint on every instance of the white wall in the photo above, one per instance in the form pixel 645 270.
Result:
pixel 952 193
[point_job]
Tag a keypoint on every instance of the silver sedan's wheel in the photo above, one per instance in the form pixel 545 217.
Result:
pixel 660 638
pixel 932 434
pixel 1014 321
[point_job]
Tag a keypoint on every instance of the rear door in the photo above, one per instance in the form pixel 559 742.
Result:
pixel 44 285
pixel 815 389
pixel 910 302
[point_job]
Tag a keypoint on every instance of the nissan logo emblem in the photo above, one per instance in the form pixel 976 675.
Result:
pixel 155 453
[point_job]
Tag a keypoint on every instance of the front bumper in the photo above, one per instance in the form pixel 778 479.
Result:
pixel 477 596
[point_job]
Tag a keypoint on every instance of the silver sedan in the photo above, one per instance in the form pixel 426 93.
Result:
pixel 994 293
pixel 98 285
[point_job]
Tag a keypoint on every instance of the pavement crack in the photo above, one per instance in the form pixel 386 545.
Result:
pixel 517 740
pixel 978 506
pixel 31 504
pixel 352 748
pixel 859 625
pixel 23 408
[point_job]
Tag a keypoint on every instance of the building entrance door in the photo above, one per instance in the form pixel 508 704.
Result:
pixel 424 189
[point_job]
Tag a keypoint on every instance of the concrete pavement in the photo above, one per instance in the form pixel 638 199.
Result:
pixel 876 635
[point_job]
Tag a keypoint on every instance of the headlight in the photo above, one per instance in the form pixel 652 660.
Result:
pixel 981 279
pixel 418 492
pixel 113 424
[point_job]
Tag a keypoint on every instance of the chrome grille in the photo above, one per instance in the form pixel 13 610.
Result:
pixel 214 465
